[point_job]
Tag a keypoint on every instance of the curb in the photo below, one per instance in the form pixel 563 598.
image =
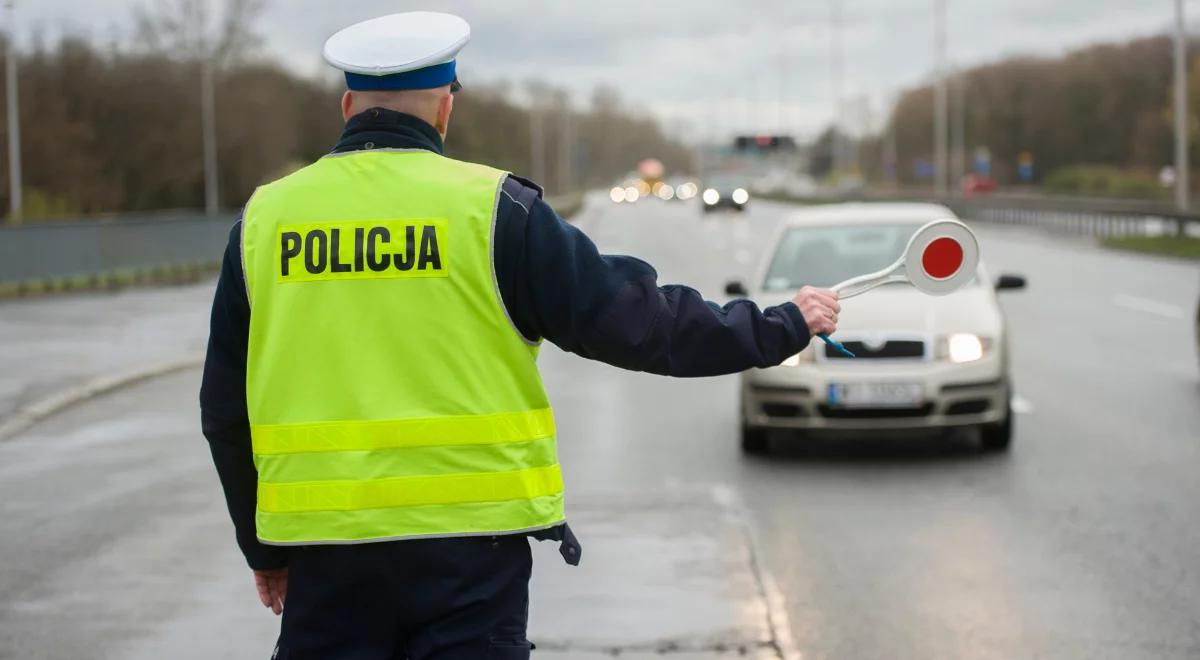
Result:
pixel 120 278
pixel 775 606
pixel 37 411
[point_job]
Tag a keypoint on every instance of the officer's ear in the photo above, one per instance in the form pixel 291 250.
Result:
pixel 445 107
pixel 347 103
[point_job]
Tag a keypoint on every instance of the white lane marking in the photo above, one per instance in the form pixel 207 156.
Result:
pixel 1165 310
pixel 1021 405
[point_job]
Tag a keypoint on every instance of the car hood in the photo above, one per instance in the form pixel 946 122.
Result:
pixel 902 308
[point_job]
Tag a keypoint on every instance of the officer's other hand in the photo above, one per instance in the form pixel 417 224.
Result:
pixel 272 587
pixel 820 309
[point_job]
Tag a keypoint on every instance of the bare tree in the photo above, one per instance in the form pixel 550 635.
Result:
pixel 182 28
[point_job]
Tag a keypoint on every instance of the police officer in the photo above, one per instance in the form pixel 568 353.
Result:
pixel 370 395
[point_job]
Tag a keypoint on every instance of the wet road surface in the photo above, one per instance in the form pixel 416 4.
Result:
pixel 1080 543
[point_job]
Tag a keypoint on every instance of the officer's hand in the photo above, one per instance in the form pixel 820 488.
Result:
pixel 820 309
pixel 272 587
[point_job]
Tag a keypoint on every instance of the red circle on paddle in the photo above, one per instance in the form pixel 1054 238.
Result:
pixel 942 258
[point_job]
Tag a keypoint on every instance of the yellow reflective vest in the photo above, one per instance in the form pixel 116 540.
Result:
pixel 390 395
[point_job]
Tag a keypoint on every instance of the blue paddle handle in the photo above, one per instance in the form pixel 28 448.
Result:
pixel 837 345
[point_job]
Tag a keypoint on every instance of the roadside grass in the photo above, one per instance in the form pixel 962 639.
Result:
pixel 1185 247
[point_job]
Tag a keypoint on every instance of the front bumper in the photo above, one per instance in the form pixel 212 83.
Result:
pixel 724 203
pixel 952 395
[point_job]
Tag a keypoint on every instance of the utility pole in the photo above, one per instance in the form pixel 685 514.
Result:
pixel 835 74
pixel 14 119
pixel 566 147
pixel 537 142
pixel 208 119
pixel 958 160
pixel 1181 111
pixel 780 114
pixel 940 166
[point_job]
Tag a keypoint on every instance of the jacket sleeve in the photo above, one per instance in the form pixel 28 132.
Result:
pixel 223 415
pixel 556 285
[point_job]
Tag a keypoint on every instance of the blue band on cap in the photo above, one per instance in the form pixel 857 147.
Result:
pixel 427 78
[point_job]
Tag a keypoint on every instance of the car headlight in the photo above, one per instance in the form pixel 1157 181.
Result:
pixel 617 194
pixel 740 196
pixel 964 347
pixel 711 196
pixel 632 194
pixel 805 356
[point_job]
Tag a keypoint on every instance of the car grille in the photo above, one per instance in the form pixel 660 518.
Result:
pixel 874 413
pixel 969 407
pixel 783 410
pixel 896 348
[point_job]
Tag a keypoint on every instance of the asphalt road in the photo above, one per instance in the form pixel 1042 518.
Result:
pixel 1083 542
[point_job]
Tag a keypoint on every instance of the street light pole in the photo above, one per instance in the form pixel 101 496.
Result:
pixel 1181 111
pixel 14 119
pixel 940 166
pixel 958 159
pixel 537 142
pixel 835 74
pixel 208 117
pixel 565 176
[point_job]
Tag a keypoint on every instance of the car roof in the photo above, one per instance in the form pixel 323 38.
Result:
pixel 868 213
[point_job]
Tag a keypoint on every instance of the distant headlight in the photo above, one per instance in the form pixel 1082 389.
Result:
pixel 665 192
pixel 740 196
pixel 632 194
pixel 617 194
pixel 686 190
pixel 964 348
pixel 711 196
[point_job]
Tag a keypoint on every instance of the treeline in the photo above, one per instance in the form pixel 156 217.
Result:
pixel 1100 113
pixel 116 130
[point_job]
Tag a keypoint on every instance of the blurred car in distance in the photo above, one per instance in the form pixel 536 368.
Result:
pixel 975 184
pixel 923 362
pixel 724 192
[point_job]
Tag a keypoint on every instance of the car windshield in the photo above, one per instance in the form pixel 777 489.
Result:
pixel 823 256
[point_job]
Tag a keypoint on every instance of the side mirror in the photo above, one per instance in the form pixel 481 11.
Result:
pixel 735 288
pixel 1010 282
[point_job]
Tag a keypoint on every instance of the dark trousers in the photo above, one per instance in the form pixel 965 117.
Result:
pixel 429 599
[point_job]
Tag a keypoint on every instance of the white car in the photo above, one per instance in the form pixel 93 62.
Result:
pixel 923 362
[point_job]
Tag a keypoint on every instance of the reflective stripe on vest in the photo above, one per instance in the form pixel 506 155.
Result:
pixel 389 395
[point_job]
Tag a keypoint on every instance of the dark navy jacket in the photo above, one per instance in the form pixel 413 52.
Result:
pixel 555 285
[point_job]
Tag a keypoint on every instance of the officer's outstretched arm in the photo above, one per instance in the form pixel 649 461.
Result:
pixel 556 285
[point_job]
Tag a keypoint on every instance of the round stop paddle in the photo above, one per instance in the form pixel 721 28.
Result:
pixel 940 258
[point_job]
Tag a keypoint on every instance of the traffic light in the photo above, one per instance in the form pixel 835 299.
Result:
pixel 764 143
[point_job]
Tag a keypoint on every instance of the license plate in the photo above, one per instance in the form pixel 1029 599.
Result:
pixel 875 395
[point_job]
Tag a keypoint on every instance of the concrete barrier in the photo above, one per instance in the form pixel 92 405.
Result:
pixel 103 253
pixel 63 255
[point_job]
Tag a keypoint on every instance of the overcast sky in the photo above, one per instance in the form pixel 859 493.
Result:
pixel 706 68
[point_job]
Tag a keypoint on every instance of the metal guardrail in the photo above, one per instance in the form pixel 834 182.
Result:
pixel 1104 218
pixel 1101 217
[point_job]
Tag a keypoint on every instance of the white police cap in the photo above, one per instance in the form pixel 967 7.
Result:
pixel 411 50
